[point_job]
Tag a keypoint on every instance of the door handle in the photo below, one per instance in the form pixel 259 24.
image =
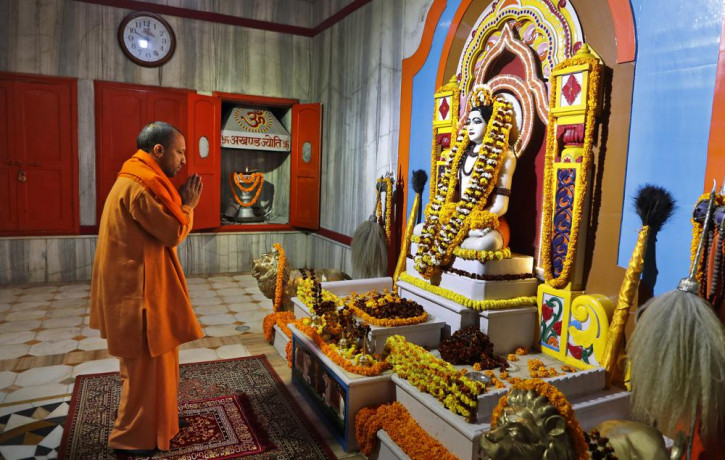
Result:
pixel 21 176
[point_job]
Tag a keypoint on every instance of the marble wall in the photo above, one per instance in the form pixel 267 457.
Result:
pixel 357 75
pixel 69 259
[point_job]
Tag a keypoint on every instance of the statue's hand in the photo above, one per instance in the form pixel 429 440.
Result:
pixel 478 232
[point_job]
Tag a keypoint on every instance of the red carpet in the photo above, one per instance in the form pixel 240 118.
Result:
pixel 236 408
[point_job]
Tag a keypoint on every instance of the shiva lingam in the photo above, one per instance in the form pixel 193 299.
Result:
pixel 246 207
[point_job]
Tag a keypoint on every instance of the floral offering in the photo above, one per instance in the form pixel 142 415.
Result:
pixel 402 429
pixel 386 309
pixel 434 376
pixel 471 346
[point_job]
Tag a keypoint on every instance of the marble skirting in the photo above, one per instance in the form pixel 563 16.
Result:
pixel 70 258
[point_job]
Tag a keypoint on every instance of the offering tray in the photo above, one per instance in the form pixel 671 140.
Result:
pixel 427 334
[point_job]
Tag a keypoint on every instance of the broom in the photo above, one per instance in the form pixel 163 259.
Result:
pixel 677 356
pixel 418 181
pixel 654 205
pixel 369 246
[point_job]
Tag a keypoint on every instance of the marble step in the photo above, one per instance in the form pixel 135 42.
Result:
pixel 280 342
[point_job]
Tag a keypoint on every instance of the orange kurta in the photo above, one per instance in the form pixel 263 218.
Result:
pixel 140 301
pixel 136 268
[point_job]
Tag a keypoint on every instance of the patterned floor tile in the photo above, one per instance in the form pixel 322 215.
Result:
pixel 43 375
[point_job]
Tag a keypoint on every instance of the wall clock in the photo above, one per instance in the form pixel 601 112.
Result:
pixel 146 39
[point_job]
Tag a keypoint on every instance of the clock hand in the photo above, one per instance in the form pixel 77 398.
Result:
pixel 151 34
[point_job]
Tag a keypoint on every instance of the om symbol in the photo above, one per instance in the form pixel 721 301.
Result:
pixel 255 118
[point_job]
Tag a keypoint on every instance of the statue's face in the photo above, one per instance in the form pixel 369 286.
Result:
pixel 476 127
pixel 517 437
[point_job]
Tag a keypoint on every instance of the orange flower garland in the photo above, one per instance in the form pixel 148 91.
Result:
pixel 402 429
pixel 279 284
pixel 254 179
pixel 559 401
pixel 331 352
pixel 385 322
pixel 281 319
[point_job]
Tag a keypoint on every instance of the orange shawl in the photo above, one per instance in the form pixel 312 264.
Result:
pixel 142 167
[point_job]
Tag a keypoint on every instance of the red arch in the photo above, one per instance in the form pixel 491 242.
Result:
pixel 624 30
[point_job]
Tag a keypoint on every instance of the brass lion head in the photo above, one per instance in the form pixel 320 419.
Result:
pixel 529 428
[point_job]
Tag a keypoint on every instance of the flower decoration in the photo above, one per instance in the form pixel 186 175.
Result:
pixel 470 346
pixel 402 429
pixel 479 305
pixel 340 357
pixel 434 376
pixel 279 283
pixel 387 182
pixel 240 181
pixel 552 149
pixel 385 309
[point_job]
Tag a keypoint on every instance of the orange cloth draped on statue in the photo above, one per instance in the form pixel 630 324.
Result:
pixel 137 274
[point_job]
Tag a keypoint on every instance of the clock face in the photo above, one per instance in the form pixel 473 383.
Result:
pixel 147 39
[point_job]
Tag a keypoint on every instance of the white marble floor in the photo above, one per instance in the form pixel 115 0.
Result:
pixel 45 342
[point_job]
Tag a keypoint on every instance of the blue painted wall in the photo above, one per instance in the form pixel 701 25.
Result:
pixel 421 120
pixel 674 81
pixel 677 51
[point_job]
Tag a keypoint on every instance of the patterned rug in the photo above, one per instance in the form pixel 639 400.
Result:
pixel 237 408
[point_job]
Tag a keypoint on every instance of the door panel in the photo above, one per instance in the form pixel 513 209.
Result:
pixel 8 200
pixel 44 208
pixel 306 162
pixel 120 114
pixel 44 149
pixel 205 129
pixel 169 106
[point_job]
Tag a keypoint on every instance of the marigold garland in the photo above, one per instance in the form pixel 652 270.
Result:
pixel 552 148
pixel 478 305
pixel 279 283
pixel 697 233
pixel 387 181
pixel 281 319
pixel 374 296
pixel 402 429
pixel 472 254
pixel 332 352
pixel 255 179
pixel 559 401
pixel 440 235
pixel 434 376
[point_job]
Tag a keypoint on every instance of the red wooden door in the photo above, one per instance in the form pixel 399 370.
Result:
pixel 305 168
pixel 121 112
pixel 39 172
pixel 8 171
pixel 170 106
pixel 203 156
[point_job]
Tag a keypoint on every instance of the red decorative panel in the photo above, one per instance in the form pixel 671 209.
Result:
pixel 204 130
pixel 305 168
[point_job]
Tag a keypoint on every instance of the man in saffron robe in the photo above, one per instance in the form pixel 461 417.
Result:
pixel 139 298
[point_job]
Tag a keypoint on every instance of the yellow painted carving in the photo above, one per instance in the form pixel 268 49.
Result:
pixel 597 309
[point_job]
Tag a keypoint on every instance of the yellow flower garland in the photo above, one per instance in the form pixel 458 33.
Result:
pixel 478 305
pixel 697 233
pixel 442 234
pixel 402 429
pixel 559 401
pixel 388 182
pixel 384 322
pixel 552 147
pixel 304 294
pixel 279 283
pixel 434 376
pixel 482 256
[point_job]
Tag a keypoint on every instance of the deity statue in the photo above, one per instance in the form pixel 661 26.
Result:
pixel 474 187
pixel 538 423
